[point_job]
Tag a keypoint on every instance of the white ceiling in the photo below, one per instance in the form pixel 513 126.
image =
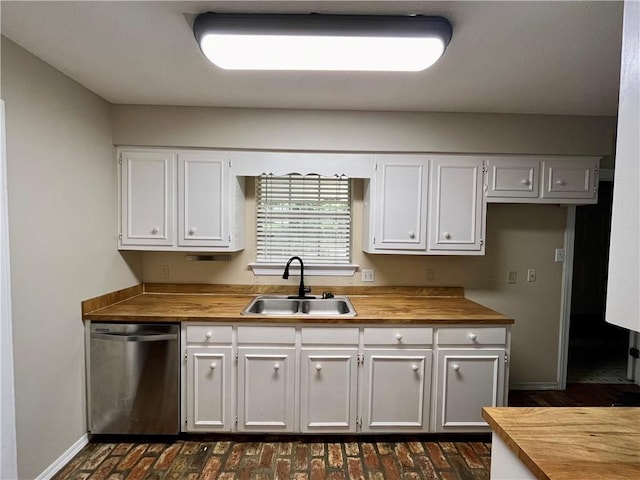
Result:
pixel 543 57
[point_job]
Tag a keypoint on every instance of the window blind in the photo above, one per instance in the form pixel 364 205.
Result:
pixel 304 215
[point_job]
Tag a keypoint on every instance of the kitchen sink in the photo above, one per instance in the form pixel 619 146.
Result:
pixel 274 305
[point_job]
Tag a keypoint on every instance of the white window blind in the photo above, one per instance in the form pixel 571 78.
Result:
pixel 304 215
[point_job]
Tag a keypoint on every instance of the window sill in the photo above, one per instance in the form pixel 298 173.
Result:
pixel 345 270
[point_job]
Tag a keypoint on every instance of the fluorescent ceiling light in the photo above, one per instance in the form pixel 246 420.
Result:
pixel 322 42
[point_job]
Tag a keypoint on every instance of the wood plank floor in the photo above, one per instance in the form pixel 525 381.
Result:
pixel 441 457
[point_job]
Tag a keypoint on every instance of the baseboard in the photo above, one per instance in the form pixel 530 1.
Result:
pixel 64 458
pixel 534 386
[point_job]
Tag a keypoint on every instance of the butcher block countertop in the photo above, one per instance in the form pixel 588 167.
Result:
pixel 587 443
pixel 198 303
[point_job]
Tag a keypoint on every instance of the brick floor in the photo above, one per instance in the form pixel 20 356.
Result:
pixel 198 457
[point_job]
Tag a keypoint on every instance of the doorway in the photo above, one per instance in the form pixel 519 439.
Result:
pixel 598 351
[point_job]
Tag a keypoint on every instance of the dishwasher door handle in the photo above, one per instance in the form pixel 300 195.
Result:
pixel 152 337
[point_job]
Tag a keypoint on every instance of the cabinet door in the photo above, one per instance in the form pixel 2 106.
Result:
pixel 467 381
pixel 328 390
pixel 147 198
pixel 202 197
pixel 457 204
pixel 209 400
pixel 266 389
pixel 396 390
pixel 513 178
pixel 401 203
pixel 570 178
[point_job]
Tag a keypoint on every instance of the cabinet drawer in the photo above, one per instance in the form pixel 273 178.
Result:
pixel 513 178
pixel 398 336
pixel 264 335
pixel 208 334
pixel 567 179
pixel 334 336
pixel 472 336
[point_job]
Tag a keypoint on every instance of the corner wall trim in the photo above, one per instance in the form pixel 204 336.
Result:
pixel 64 458
pixel 534 386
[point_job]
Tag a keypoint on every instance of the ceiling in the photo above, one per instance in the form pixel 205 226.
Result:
pixel 540 57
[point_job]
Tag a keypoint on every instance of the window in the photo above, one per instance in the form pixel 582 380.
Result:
pixel 304 215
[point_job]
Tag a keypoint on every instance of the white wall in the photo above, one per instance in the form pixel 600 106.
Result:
pixel 62 212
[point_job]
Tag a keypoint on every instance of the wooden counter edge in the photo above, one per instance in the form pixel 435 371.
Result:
pixel 497 429
pixel 102 301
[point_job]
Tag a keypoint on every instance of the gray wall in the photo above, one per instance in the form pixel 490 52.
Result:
pixel 62 212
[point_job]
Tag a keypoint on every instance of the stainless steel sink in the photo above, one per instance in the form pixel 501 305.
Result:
pixel 275 305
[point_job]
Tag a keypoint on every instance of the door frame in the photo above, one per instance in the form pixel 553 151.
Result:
pixel 605 175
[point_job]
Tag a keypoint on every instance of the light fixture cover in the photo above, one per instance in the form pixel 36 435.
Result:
pixel 322 42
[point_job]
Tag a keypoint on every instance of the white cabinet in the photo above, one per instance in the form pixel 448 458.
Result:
pixel 266 379
pixel 208 378
pixel 147 189
pixel 206 214
pixel 570 179
pixel 396 359
pixel 471 375
pixel 457 206
pixel 515 177
pixel 203 200
pixel 544 179
pixel 398 204
pixel 396 390
pixel 328 379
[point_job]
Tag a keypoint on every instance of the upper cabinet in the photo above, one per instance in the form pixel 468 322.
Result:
pixel 147 199
pixel 207 214
pixel 566 180
pixel 398 204
pixel 417 204
pixel 457 207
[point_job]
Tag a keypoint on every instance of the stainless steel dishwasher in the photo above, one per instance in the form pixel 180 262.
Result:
pixel 133 378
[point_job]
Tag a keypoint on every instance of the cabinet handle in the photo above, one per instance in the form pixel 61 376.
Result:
pixel 415 367
pixel 525 181
pixel 447 235
pixel 473 337
pixel 318 367
pixel 212 365
pixel 560 182
pixel 398 336
pixel 208 334
pixel 456 367
pixel 155 230
pixel 412 235
pixel 276 367
pixel 192 231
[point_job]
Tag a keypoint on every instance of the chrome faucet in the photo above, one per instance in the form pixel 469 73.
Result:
pixel 302 290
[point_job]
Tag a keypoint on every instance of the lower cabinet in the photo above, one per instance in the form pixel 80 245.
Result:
pixel 266 389
pixel 209 389
pixel 328 390
pixel 396 390
pixel 276 379
pixel 468 380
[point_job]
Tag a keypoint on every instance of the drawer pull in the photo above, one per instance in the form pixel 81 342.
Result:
pixel 398 336
pixel 415 367
pixel 473 337
pixel 525 181
pixel 456 367
pixel 212 365
pixel 561 182
pixel 208 334
pixel 276 367
pixel 318 367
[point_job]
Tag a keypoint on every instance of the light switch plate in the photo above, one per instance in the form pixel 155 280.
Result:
pixel 368 275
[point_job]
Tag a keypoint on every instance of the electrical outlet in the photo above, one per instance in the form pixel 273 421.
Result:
pixel 431 275
pixel 560 255
pixel 512 277
pixel 164 271
pixel 531 275
pixel 368 275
